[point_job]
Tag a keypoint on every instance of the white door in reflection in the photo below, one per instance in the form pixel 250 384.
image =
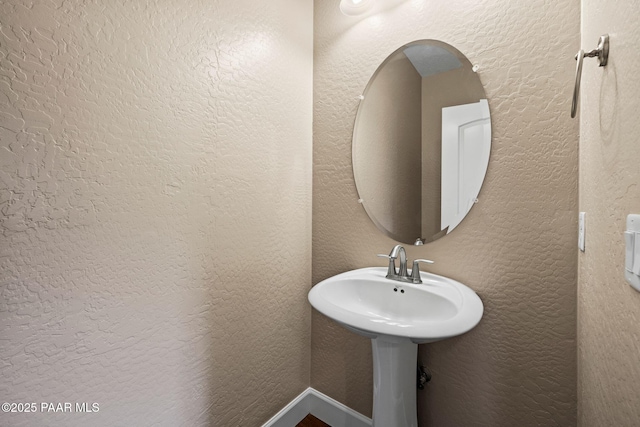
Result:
pixel 466 145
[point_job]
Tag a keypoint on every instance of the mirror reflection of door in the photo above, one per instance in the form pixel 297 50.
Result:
pixel 398 141
pixel 466 142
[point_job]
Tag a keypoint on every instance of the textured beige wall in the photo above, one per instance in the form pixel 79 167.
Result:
pixel 155 209
pixel 608 308
pixel 389 136
pixel 517 247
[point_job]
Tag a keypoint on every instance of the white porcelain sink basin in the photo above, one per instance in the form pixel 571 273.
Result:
pixel 367 303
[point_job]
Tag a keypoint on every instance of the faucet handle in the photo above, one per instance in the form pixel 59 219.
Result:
pixel 392 264
pixel 415 271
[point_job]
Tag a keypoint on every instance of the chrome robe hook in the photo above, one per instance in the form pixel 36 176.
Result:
pixel 602 53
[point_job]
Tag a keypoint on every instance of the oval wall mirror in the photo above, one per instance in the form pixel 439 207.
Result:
pixel 421 142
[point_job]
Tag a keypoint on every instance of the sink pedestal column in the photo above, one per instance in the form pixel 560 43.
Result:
pixel 394 382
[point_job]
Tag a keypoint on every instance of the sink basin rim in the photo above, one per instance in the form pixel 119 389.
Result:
pixel 467 303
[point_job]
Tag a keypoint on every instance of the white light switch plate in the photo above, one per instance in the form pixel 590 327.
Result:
pixel 581 219
pixel 632 251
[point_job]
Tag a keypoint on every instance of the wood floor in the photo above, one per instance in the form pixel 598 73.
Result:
pixel 311 421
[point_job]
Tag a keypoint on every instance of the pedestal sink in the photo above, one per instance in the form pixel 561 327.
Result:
pixel 397 316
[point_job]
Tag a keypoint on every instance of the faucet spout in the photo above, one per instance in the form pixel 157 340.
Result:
pixel 399 252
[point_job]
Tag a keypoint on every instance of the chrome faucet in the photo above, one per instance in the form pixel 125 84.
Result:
pixel 398 250
pixel 402 274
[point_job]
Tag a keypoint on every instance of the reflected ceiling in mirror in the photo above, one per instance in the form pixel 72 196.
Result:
pixel 421 142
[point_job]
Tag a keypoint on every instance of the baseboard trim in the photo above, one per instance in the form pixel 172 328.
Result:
pixel 321 406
